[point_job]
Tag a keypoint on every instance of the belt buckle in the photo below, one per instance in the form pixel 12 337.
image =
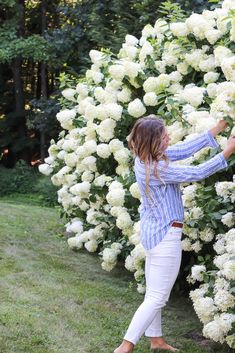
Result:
pixel 177 224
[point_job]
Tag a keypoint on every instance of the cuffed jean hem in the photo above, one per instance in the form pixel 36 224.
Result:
pixel 154 334
pixel 162 266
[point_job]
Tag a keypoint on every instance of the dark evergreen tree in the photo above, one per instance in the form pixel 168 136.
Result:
pixel 41 39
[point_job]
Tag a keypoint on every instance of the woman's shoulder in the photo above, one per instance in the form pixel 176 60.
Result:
pixel 138 161
pixel 138 164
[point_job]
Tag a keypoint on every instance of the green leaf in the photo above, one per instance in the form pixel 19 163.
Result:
pixel 92 198
pixel 216 215
pixel 223 211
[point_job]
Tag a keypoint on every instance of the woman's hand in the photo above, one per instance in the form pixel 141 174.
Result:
pixel 230 148
pixel 219 127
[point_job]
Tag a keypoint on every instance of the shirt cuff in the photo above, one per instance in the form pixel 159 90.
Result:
pixel 211 140
pixel 224 162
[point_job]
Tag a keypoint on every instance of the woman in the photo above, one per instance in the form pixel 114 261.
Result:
pixel 162 215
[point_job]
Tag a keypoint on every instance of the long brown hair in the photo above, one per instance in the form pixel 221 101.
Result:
pixel 146 141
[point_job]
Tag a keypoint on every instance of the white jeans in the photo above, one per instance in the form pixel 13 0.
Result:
pixel 162 266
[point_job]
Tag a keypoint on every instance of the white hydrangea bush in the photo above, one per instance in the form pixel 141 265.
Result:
pixel 184 72
pixel 214 300
pixel 216 274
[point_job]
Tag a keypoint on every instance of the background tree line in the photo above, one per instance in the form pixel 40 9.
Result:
pixel 39 40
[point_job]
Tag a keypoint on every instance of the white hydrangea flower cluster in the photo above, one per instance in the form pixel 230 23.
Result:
pixel 92 166
pixel 215 311
pixel 226 190
pixel 195 238
pixel 134 263
pixel 134 237
pixel 109 256
pixel 197 273
pixel 225 248
pixel 188 195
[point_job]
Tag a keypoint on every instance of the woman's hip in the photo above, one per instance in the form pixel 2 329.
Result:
pixel 170 245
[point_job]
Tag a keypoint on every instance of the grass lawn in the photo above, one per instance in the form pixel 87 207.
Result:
pixel 55 300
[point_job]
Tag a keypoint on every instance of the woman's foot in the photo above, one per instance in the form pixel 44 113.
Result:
pixel 160 343
pixel 125 347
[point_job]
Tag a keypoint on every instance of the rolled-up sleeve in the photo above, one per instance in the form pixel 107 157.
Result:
pixel 185 149
pixel 174 173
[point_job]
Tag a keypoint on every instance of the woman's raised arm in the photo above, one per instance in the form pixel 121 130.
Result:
pixel 185 149
pixel 182 150
pixel 178 173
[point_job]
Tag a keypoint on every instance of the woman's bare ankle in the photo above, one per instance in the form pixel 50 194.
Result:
pixel 159 340
pixel 128 344
pixel 125 347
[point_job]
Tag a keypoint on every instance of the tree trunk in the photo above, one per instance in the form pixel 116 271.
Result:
pixel 38 87
pixel 33 71
pixel 16 67
pixel 18 86
pixel 51 86
pixel 44 80
pixel 43 77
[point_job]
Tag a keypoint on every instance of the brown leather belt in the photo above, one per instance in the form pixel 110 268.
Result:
pixel 177 224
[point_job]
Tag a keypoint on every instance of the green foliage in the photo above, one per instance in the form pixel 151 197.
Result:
pixel 20 179
pixel 33 47
pixel 214 1
pixel 39 117
pixel 172 11
pixel 8 3
pixel 10 134
pixel 196 5
pixel 46 191
pixel 71 30
pixel 24 179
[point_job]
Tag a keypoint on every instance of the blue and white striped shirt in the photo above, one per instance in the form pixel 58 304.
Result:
pixel 156 216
